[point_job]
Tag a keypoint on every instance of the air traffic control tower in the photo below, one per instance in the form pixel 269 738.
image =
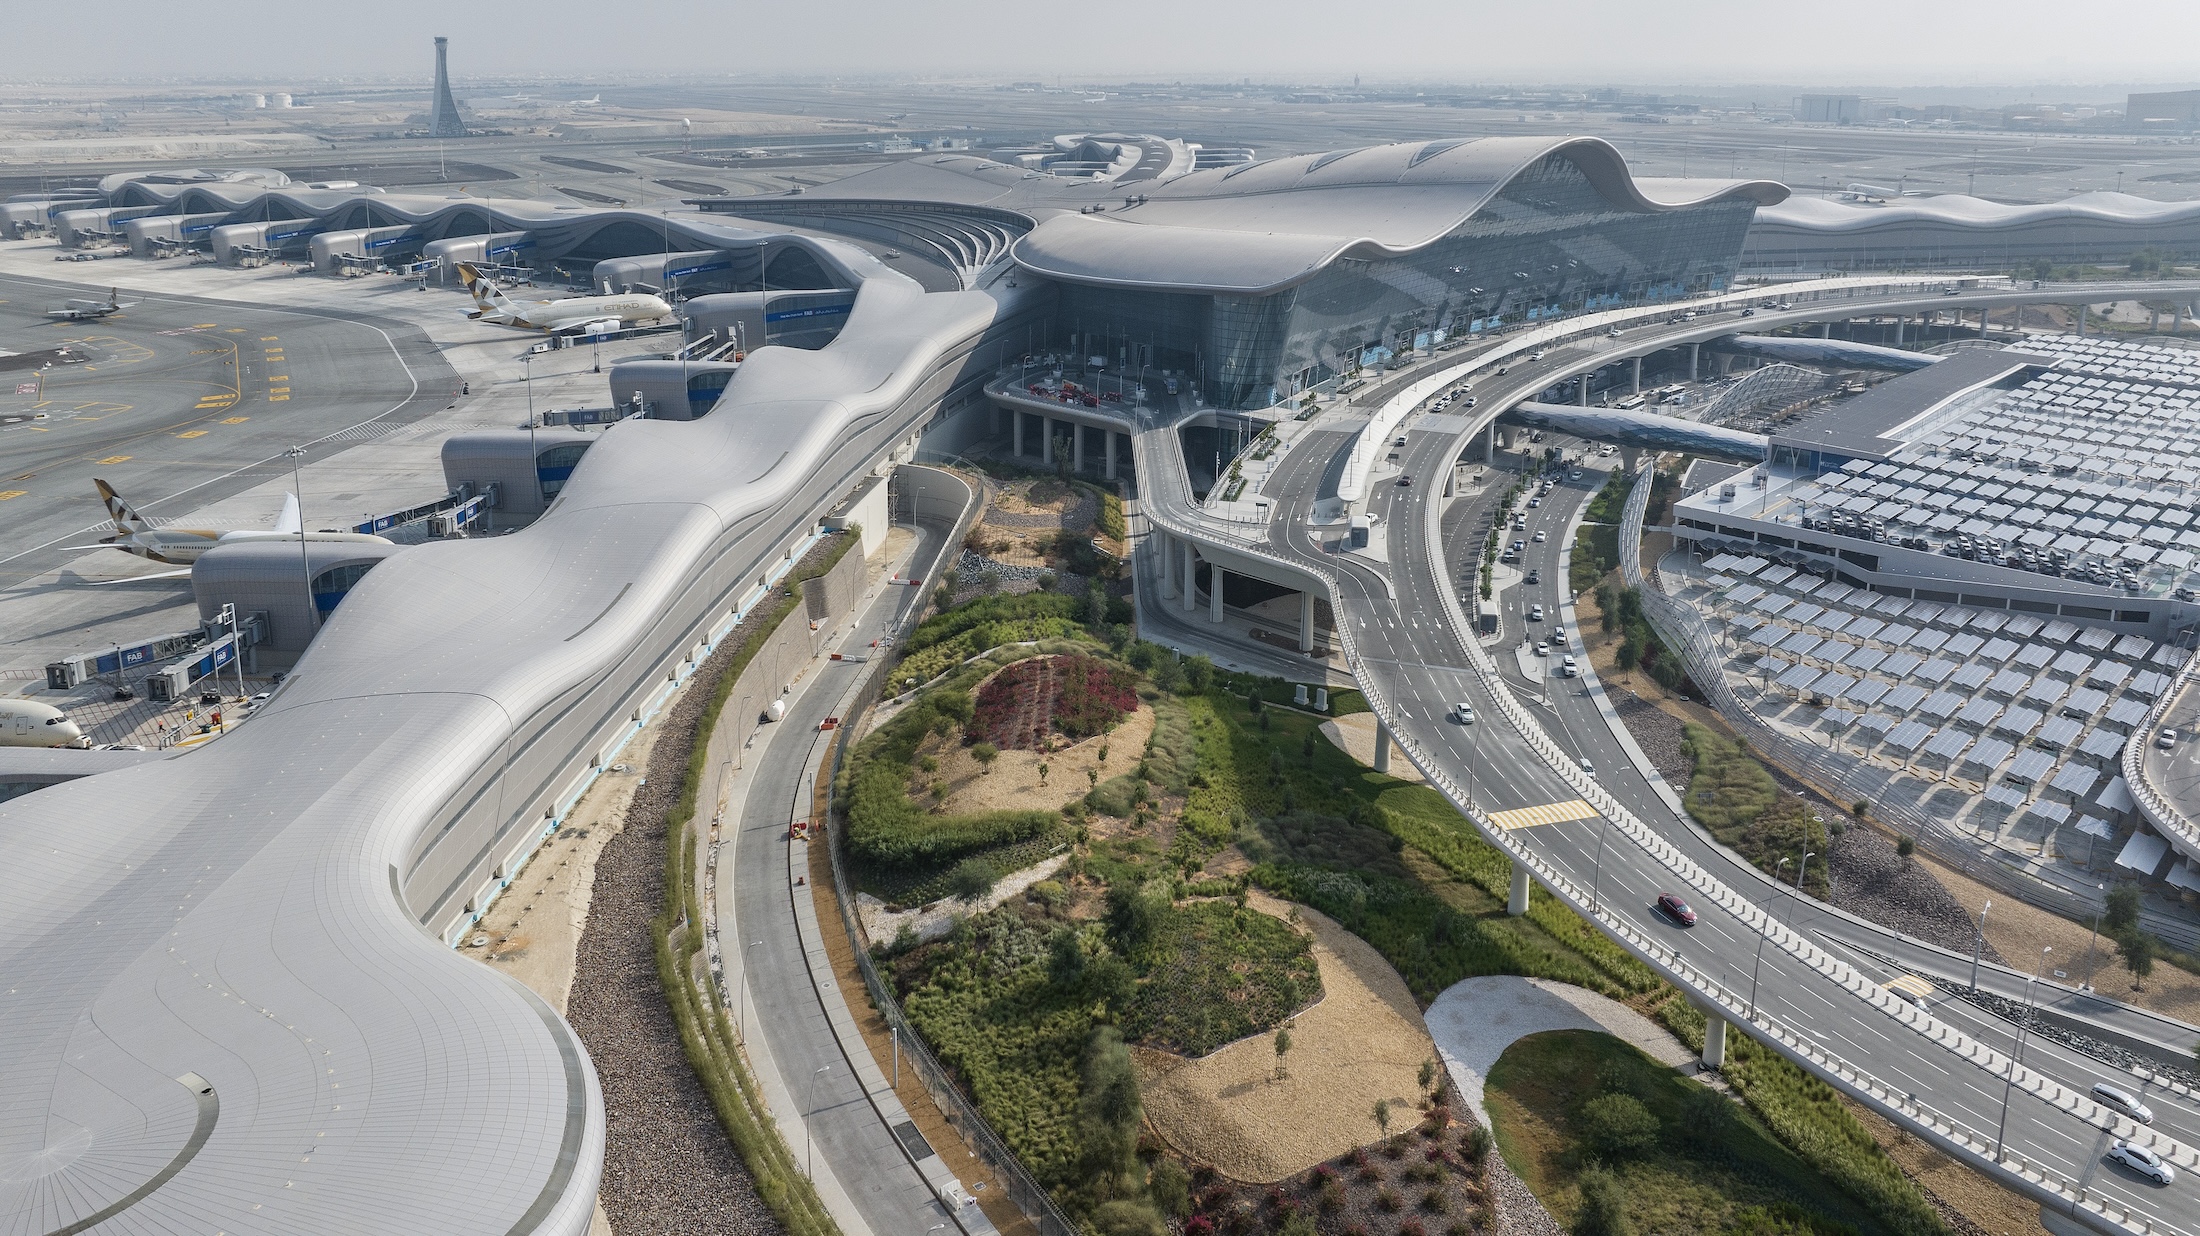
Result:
pixel 443 118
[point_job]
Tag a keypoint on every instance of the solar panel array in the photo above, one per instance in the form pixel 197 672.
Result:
pixel 2089 471
pixel 2034 710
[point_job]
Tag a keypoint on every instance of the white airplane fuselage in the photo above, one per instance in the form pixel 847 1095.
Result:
pixel 184 546
pixel 26 723
pixel 575 312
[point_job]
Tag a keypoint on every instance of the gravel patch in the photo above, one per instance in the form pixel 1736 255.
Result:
pixel 1519 1211
pixel 668 1169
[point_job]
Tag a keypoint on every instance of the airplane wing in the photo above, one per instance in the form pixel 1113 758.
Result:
pixel 287 522
pixel 180 573
pixel 581 324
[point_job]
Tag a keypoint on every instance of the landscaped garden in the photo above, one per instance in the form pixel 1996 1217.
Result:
pixel 1174 792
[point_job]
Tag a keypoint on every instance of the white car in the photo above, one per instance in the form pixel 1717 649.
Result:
pixel 2143 1161
pixel 2121 1100
pixel 1536 355
pixel 2166 740
pixel 1539 538
pixel 1463 713
pixel 1587 767
pixel 1535 613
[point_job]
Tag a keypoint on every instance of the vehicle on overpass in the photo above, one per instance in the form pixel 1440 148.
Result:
pixel 26 723
pixel 588 315
pixel 134 534
pixel 92 310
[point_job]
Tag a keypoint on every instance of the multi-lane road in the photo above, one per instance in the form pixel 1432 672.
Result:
pixel 1406 647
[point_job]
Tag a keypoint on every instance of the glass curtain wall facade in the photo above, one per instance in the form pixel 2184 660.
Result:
pixel 1548 244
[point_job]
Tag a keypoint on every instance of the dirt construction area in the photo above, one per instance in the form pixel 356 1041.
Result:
pixel 1014 783
pixel 1364 1041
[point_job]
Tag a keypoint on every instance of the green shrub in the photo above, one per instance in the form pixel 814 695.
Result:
pixel 972 879
pixel 1603 1206
pixel 1617 1127
pixel 1216 973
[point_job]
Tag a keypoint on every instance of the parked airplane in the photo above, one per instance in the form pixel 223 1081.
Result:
pixel 91 310
pixel 595 100
pixel 134 534
pixel 24 723
pixel 590 315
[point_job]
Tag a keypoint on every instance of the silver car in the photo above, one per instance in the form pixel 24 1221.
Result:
pixel 2143 1161
pixel 2121 1100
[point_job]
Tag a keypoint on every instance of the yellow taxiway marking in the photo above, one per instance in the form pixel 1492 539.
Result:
pixel 115 459
pixel 278 377
pixel 278 398
pixel 267 338
pixel 235 420
pixel 203 326
pixel 213 405
pixel 192 433
pixel 278 390
pixel 6 494
pixel 1548 813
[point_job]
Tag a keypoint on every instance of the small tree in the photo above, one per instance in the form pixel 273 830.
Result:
pixel 1603 1206
pixel 1860 809
pixel 1428 1073
pixel 1906 846
pixel 2122 912
pixel 985 753
pixel 1382 1116
pixel 2137 948
pixel 939 796
pixel 1283 1046
pixel 1042 773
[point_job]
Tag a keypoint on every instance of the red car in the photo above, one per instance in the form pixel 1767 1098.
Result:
pixel 1676 909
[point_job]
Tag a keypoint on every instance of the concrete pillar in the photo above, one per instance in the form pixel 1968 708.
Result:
pixel 1637 378
pixel 1168 566
pixel 1825 330
pixel 2082 311
pixel 1630 459
pixel 1714 1041
pixel 1110 436
pixel 1489 444
pixel 1898 322
pixel 2176 317
pixel 1695 354
pixel 1076 448
pixel 1016 418
pixel 1215 575
pixel 1585 389
pixel 2154 322
pixel 1382 747
pixel 1046 441
pixel 1306 622
pixel 1517 904
pixel 1190 565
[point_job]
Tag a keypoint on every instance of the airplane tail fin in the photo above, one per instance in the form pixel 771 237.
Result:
pixel 486 296
pixel 126 520
pixel 288 522
pixel 114 298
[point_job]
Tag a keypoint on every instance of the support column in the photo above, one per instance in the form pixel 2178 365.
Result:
pixel 1046 441
pixel 1382 747
pixel 1825 330
pixel 1016 418
pixel 1714 1041
pixel 2082 311
pixel 1517 904
pixel 2176 317
pixel 1215 575
pixel 1110 434
pixel 1637 378
pixel 1695 354
pixel 1168 566
pixel 1489 444
pixel 1306 622
pixel 2154 321
pixel 1585 389
pixel 1899 319
pixel 1076 448
pixel 1191 574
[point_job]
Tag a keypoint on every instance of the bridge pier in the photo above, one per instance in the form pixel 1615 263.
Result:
pixel 1382 746
pixel 1585 388
pixel 1489 444
pixel 1306 622
pixel 2082 311
pixel 1190 566
pixel 1523 885
pixel 1899 319
pixel 1076 448
pixel 1215 576
pixel 1016 419
pixel 2176 317
pixel 1714 1041
pixel 1046 440
pixel 1168 566
pixel 1630 459
pixel 1111 453
pixel 1636 380
pixel 1695 355
pixel 1825 330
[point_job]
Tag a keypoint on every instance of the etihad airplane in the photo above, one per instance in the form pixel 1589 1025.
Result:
pixel 26 723
pixel 134 534
pixel 91 310
pixel 588 315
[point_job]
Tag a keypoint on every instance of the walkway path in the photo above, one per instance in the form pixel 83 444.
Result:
pixel 1476 1019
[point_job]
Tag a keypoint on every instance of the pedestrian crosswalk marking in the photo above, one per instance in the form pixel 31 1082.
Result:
pixel 1548 813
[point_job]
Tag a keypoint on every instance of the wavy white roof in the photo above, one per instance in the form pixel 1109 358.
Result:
pixel 1817 214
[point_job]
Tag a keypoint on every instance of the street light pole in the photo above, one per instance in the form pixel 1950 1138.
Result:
pixel 313 611
pixel 1979 945
pixel 1758 964
pixel 2016 1060
pixel 2092 960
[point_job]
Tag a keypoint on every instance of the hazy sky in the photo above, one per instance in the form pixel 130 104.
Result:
pixel 1666 42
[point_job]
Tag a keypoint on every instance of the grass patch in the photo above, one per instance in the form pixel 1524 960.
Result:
pixel 944 641
pixel 1214 972
pixel 1572 1103
pixel 1806 1114
pixel 1734 796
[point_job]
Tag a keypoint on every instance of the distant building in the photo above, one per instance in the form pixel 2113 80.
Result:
pixel 1829 108
pixel 2169 109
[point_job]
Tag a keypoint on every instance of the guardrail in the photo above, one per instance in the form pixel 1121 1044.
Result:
pixel 1951 1136
pixel 2159 811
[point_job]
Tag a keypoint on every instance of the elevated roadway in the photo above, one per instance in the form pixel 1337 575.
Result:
pixel 1801 979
